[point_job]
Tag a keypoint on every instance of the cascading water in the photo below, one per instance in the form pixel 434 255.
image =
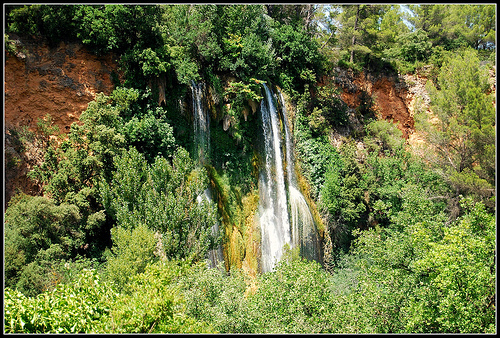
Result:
pixel 201 123
pixel 304 233
pixel 280 225
pixel 201 126
pixel 283 218
pixel 273 210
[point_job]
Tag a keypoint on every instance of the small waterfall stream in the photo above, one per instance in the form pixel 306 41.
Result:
pixel 201 126
pixel 201 123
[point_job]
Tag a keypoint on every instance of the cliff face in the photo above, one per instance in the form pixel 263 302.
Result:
pixel 60 81
pixel 392 98
pixel 63 80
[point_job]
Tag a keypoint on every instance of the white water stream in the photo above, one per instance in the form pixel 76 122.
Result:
pixel 273 209
pixel 304 232
pixel 279 224
pixel 201 123
pixel 284 215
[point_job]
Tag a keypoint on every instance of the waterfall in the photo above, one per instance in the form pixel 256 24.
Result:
pixel 304 233
pixel 201 126
pixel 201 123
pixel 273 210
pixel 283 213
pixel 279 226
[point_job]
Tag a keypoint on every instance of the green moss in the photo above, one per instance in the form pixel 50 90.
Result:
pixel 237 211
pixel 305 188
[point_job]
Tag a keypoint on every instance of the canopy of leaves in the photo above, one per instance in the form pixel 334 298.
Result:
pixel 118 242
pixel 464 136
pixel 162 197
pixel 39 233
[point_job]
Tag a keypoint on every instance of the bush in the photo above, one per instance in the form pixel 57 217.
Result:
pixel 217 298
pixel 153 304
pixel 132 250
pixel 38 233
pixel 294 298
pixel 52 22
pixel 150 135
pixel 78 307
pixel 163 197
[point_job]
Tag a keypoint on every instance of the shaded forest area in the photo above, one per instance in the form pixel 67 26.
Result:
pixel 116 240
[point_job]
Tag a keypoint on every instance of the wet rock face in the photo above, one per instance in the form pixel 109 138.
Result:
pixel 60 81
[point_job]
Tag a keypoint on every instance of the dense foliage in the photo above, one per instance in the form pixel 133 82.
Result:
pixel 465 137
pixel 118 239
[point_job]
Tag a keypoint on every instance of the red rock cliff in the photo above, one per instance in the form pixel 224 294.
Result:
pixel 391 96
pixel 60 81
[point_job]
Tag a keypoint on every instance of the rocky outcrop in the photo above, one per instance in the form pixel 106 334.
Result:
pixel 390 96
pixel 417 99
pixel 40 80
pixel 394 98
pixel 60 81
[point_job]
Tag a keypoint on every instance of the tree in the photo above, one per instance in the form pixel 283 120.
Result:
pixel 55 23
pixel 296 15
pixel 430 18
pixel 457 275
pixel 294 298
pixel 191 34
pixel 392 26
pixel 411 47
pixel 132 250
pixel 247 48
pixel 360 29
pixel 300 62
pixel 82 306
pixel 325 29
pixel 38 234
pixel 463 136
pixel 453 26
pixel 103 27
pixel 421 274
pixel 474 24
pixel 69 170
pixel 218 298
pixel 163 197
pixel 153 304
pixel 342 196
pixel 355 28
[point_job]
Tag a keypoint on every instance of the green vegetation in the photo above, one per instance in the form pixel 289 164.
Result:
pixel 118 238
pixel 465 136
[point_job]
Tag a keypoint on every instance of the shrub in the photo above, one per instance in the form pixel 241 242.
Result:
pixel 79 307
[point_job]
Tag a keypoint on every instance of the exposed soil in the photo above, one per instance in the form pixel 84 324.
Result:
pixel 394 98
pixel 60 81
pixel 40 80
pixel 390 96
